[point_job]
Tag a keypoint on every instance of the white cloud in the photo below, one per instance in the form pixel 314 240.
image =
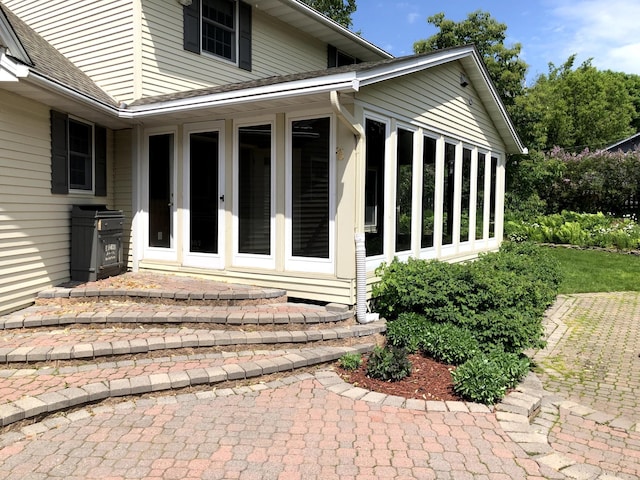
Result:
pixel 413 17
pixel 605 30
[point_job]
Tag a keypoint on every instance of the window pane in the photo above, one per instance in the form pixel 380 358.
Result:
pixel 428 191
pixel 492 198
pixel 218 27
pixel 404 187
pixel 160 153
pixel 80 155
pixel 447 205
pixel 310 188
pixel 466 195
pixel 203 194
pixel 254 190
pixel 480 197
pixel 374 187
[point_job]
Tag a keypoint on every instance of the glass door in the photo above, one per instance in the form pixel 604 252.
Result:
pixel 204 197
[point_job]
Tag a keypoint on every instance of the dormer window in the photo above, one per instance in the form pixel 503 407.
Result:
pixel 221 28
pixel 338 58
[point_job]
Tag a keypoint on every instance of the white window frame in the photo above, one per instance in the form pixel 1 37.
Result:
pixel 373 262
pixel 430 252
pixel 415 210
pixel 250 260
pixel 309 264
pixel 200 259
pixel 159 253
pixel 234 59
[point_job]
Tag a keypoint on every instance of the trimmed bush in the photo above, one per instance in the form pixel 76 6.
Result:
pixel 449 343
pixel 389 364
pixel 409 331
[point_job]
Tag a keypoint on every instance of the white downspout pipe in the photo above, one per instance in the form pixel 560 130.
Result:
pixel 361 255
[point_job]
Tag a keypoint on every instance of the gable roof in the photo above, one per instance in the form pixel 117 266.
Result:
pixel 43 60
pixel 53 71
pixel 349 78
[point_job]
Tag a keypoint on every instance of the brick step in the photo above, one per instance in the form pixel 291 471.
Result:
pixel 101 312
pixel 28 394
pixel 149 287
pixel 92 343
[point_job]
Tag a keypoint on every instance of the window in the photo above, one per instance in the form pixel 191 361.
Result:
pixel 338 58
pixel 465 207
pixel 376 134
pixel 448 193
pixel 428 191
pixel 404 189
pixel 78 156
pixel 480 197
pixel 221 28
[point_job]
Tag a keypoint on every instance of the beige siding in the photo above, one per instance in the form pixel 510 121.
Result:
pixel 34 224
pixel 167 67
pixel 96 35
pixel 434 98
pixel 122 188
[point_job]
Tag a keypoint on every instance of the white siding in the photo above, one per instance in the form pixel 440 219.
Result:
pixel 34 224
pixel 167 67
pixel 97 36
pixel 434 99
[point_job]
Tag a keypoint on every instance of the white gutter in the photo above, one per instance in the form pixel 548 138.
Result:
pixel 342 82
pixel 361 255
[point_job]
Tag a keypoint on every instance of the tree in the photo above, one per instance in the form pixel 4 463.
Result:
pixel 575 108
pixel 338 10
pixel 505 67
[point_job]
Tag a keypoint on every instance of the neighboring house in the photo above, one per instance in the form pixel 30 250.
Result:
pixel 626 145
pixel 249 142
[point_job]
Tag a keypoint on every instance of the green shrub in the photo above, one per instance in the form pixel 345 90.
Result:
pixel 350 361
pixel 389 364
pixel 480 380
pixel 408 331
pixel 514 366
pixel 449 343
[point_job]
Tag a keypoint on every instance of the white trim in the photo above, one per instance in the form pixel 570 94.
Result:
pixel 159 253
pixel 198 259
pixel 404 254
pixel 375 261
pixel 310 264
pixel 246 259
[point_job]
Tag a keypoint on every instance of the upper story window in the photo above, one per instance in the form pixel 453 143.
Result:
pixel 338 58
pixel 221 28
pixel 78 156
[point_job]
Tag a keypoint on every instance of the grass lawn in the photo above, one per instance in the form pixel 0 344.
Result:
pixel 586 271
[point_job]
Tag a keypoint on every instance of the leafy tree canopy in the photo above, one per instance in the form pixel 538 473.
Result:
pixel 576 108
pixel 338 10
pixel 505 67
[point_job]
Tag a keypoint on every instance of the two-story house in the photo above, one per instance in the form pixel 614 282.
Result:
pixel 256 143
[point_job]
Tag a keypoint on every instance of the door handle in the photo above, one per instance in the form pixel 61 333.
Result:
pixel 222 197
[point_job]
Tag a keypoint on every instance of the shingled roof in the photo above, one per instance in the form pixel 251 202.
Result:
pixel 49 63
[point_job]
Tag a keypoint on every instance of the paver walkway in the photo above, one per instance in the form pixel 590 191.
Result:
pixel 313 425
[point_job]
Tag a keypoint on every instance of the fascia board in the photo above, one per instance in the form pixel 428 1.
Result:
pixel 411 65
pixel 341 82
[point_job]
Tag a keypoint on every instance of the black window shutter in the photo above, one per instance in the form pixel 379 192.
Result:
pixel 59 153
pixel 191 25
pixel 332 56
pixel 101 161
pixel 244 36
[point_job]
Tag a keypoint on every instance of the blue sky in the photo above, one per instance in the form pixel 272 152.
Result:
pixel 549 30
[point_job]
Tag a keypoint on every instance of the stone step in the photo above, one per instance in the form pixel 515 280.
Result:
pixel 76 344
pixel 101 312
pixel 167 288
pixel 29 403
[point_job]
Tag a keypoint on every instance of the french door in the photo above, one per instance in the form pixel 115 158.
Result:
pixel 204 196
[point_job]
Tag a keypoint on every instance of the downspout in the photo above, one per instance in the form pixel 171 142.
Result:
pixel 361 268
